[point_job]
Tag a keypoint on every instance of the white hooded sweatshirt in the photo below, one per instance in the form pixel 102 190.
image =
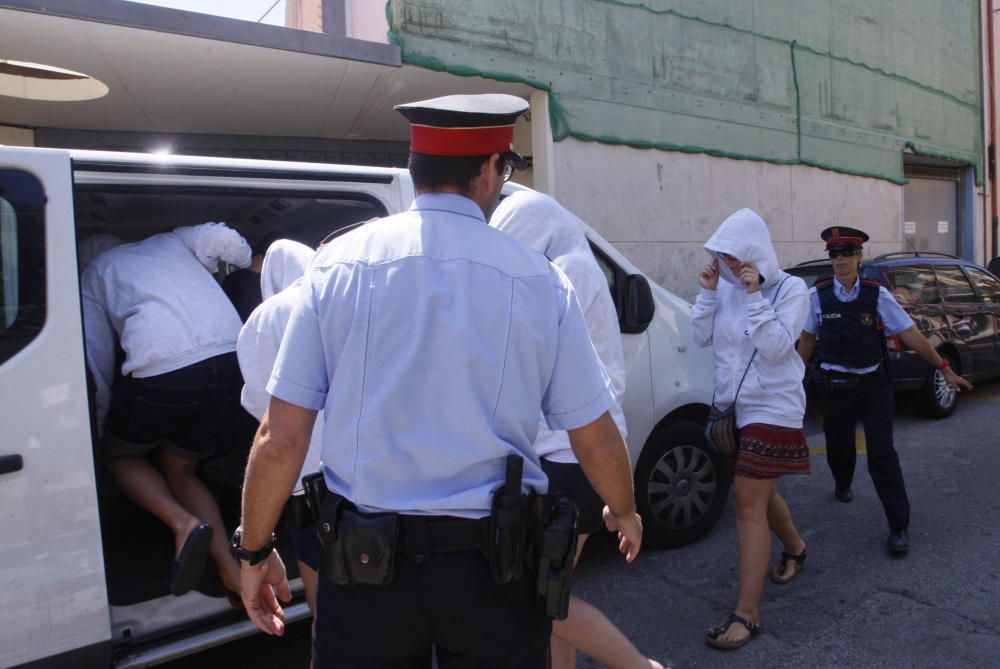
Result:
pixel 160 298
pixel 257 347
pixel 768 320
pixel 541 223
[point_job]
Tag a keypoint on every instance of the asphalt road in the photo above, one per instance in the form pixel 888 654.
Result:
pixel 853 605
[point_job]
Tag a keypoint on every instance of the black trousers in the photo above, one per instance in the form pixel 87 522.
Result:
pixel 445 599
pixel 871 401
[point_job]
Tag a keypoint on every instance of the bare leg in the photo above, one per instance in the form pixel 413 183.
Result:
pixel 145 486
pixel 779 518
pixel 309 582
pixel 590 631
pixel 752 500
pixel 184 483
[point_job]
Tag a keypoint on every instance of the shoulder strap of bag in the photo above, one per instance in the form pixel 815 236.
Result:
pixel 776 293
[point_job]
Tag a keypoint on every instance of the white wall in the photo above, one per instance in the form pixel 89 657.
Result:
pixel 659 207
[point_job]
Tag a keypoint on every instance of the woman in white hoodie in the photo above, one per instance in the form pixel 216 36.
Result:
pixel 753 317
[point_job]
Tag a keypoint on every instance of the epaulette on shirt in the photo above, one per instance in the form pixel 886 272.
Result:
pixel 823 283
pixel 872 282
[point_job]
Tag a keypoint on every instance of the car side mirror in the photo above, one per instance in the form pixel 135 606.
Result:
pixel 636 304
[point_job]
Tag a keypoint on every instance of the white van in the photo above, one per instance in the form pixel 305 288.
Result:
pixel 83 571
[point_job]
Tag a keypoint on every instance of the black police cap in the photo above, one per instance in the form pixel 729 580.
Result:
pixel 843 237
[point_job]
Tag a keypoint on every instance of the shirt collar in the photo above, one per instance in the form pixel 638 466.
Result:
pixel 848 294
pixel 452 202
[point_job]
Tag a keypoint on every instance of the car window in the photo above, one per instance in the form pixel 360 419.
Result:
pixel 986 285
pixel 955 286
pixel 913 285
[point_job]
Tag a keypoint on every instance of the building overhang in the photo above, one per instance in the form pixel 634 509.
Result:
pixel 174 71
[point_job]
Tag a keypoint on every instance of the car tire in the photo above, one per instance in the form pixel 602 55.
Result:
pixel 681 485
pixel 937 398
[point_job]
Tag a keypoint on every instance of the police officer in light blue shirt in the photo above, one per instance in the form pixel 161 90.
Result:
pixel 431 341
pixel 849 317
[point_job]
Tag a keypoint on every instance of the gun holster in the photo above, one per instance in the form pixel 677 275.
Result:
pixel 296 515
pixel 556 548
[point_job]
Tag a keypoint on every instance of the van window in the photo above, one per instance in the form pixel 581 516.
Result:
pixel 22 260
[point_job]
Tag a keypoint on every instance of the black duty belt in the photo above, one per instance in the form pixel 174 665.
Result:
pixel 420 535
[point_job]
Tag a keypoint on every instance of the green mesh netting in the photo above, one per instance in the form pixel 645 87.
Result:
pixel 843 85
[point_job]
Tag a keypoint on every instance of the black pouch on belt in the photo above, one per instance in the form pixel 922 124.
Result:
pixel 365 549
pixel 509 526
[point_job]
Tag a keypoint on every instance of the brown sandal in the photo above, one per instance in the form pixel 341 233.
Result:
pixel 780 574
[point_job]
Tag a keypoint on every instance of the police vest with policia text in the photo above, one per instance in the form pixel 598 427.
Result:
pixel 850 333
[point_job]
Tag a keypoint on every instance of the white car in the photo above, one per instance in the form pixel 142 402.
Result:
pixel 85 570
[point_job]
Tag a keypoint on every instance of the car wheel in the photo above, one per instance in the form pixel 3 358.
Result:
pixel 938 398
pixel 681 485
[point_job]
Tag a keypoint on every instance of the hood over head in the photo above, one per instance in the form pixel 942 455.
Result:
pixel 744 234
pixel 284 262
pixel 541 223
pixel 95 245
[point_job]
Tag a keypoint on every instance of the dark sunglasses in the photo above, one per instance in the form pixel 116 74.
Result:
pixel 842 254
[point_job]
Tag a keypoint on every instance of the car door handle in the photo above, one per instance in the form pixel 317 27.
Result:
pixel 11 463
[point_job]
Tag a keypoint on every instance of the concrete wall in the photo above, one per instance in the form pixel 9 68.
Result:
pixel 659 207
pixel 16 136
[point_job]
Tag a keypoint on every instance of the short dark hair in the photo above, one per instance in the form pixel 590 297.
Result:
pixel 430 173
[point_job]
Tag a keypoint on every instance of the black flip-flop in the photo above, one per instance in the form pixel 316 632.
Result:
pixel 778 574
pixel 186 570
pixel 713 636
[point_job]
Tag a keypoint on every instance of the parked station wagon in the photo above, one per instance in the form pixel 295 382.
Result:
pixel 954 303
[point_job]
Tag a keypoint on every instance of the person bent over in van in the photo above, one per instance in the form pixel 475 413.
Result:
pixel 180 381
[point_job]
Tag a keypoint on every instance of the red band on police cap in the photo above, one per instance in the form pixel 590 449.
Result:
pixel 434 141
pixel 844 240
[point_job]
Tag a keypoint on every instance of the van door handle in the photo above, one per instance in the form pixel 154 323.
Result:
pixel 11 463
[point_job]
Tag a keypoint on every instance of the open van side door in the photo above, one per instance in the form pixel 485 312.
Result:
pixel 52 581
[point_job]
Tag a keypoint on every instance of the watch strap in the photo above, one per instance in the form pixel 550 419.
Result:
pixel 254 557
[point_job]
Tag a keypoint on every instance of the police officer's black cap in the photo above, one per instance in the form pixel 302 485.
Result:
pixel 463 125
pixel 841 237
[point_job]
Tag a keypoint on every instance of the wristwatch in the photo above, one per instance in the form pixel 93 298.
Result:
pixel 250 557
pixel 945 363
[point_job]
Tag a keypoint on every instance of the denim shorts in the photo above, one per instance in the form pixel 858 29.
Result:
pixel 189 411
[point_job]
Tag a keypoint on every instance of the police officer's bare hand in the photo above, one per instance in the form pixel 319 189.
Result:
pixel 709 276
pixel 956 381
pixel 260 584
pixel 749 276
pixel 629 528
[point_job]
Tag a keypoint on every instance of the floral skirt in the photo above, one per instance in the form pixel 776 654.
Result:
pixel 769 452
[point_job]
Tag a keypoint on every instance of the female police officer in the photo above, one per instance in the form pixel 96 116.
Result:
pixel 850 316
